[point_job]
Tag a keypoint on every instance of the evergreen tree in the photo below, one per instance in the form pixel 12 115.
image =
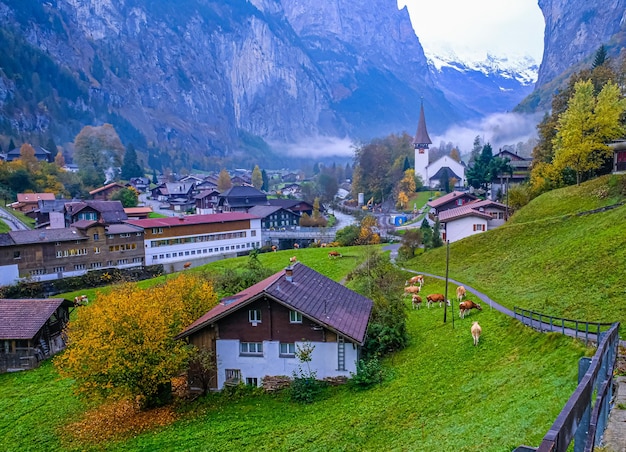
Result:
pixel 11 145
pixel 130 167
pixel 436 240
pixel 155 180
pixel 316 168
pixel 266 181
pixel 600 57
pixel 348 171
pixel 52 147
pixel 407 164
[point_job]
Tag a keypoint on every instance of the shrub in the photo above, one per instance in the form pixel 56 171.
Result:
pixel 305 389
pixel 368 373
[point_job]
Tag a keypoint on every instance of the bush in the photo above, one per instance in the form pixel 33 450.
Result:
pixel 305 389
pixel 368 373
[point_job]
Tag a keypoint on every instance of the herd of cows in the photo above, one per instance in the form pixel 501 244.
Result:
pixel 414 285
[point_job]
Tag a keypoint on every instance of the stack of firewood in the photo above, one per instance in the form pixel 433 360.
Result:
pixel 275 383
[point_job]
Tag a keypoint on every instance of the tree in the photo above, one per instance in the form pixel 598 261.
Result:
pixel 403 200
pixel 316 168
pixel 411 240
pixel 124 344
pixel 479 175
pixel 130 167
pixel 11 144
pixel 155 180
pixel 257 178
pixel 600 57
pixel 455 155
pixel 266 181
pixel 98 150
pixel 127 196
pixel 368 234
pixel 586 126
pixel 223 181
pixel 436 240
pixel 348 236
pixel 27 156
pixel 59 160
pixel 328 186
pixel 52 147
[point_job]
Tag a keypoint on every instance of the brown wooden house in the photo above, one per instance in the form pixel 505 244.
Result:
pixel 31 330
pixel 256 332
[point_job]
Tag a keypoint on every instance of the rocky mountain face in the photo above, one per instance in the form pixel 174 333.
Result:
pixel 211 77
pixel 575 29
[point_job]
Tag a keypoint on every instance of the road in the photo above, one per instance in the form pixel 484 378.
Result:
pixel 13 222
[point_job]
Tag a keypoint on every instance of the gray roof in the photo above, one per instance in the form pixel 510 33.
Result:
pixel 122 228
pixel 21 319
pixel 46 235
pixel 111 211
pixel 264 211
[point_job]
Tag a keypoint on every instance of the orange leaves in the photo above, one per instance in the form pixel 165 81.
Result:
pixel 124 345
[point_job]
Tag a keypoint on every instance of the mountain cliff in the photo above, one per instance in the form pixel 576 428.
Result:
pixel 211 77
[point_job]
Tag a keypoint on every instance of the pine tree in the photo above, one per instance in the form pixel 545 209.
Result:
pixel 155 180
pixel 600 57
pixel 11 145
pixel 52 147
pixel 130 167
pixel 436 240
pixel 266 181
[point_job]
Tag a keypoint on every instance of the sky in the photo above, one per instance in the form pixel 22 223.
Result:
pixel 473 28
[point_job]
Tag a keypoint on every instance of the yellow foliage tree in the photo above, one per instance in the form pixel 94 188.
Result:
pixel 123 345
pixel 403 199
pixel 367 234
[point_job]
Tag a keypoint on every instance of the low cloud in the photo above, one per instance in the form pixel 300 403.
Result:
pixel 499 129
pixel 318 147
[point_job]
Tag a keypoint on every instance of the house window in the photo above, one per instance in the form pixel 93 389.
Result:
pixel 254 315
pixel 253 233
pixel 233 376
pixel 58 269
pixel 80 267
pixel 287 349
pixel 17 254
pixel 126 235
pixel 459 202
pixel 137 260
pixel 122 262
pixel 96 250
pixel 38 272
pixel 96 236
pixel 251 348
pixel 295 317
pixel 157 230
pixel 479 227
pixel 96 265
pixel 252 381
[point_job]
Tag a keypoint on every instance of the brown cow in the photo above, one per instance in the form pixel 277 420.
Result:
pixel 296 246
pixel 419 279
pixel 412 290
pixel 274 248
pixel 293 259
pixel 417 301
pixel 466 306
pixel 187 265
pixel 460 293
pixel 81 300
pixel 334 254
pixel 436 298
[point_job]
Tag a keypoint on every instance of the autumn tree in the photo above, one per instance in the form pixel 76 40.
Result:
pixel 403 200
pixel 98 152
pixel 124 346
pixel 368 234
pixel 586 126
pixel 223 181
pixel 411 241
pixel 328 186
pixel 257 178
pixel 27 156
pixel 129 197
pixel 59 160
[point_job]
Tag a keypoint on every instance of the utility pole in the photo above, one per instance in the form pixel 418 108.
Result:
pixel 445 298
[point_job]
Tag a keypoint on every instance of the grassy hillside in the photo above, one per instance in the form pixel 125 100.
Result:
pixel 547 258
pixel 441 394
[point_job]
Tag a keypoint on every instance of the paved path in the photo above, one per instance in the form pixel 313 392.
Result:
pixel 12 221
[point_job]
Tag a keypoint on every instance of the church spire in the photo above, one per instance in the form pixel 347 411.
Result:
pixel 421 140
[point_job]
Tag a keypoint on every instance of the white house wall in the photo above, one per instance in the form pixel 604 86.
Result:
pixel 9 275
pixel 463 227
pixel 324 361
pixel 446 161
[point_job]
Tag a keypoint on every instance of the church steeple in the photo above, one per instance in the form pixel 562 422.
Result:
pixel 421 140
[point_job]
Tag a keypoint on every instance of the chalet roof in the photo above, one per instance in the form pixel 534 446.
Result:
pixel 123 228
pixel 264 211
pixel 39 153
pixel 470 209
pixel 312 294
pixel 449 197
pixel 511 156
pixel 6 240
pixel 106 187
pixel 421 136
pixel 52 205
pixel 174 188
pixel 205 193
pixel 24 237
pixel 84 224
pixel 169 222
pixel 34 197
pixel 243 191
pixel 138 210
pixel 23 318
pixel 293 204
pixel 440 173
pixel 111 211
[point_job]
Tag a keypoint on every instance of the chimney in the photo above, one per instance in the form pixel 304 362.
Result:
pixel 289 274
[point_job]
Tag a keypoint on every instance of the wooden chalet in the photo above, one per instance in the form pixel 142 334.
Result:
pixel 31 331
pixel 450 201
pixel 104 193
pixel 255 333
pixel 28 202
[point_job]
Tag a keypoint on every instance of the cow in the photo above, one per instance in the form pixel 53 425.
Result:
pixel 412 290
pixel 334 254
pixel 436 298
pixel 296 246
pixel 293 259
pixel 274 248
pixel 466 306
pixel 187 265
pixel 476 330
pixel 460 293
pixel 419 279
pixel 417 301
pixel 81 300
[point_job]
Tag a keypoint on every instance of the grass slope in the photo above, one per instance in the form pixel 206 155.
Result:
pixel 560 264
pixel 441 394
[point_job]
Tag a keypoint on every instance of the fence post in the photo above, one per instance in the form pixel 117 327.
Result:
pixel 580 437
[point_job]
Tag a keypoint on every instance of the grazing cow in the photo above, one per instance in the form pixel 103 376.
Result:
pixel 293 259
pixel 187 265
pixel 274 248
pixel 419 279
pixel 476 330
pixel 81 300
pixel 323 245
pixel 412 290
pixel 296 246
pixel 466 306
pixel 460 293
pixel 436 298
pixel 417 301
pixel 334 254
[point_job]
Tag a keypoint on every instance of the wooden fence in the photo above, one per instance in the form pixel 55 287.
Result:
pixel 585 415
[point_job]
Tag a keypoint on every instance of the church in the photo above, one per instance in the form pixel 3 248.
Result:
pixel 432 173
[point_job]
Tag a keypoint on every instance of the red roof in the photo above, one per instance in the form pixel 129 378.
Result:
pixel 34 197
pixel 21 319
pixel 449 197
pixel 470 209
pixel 169 222
pixel 106 187
pixel 312 294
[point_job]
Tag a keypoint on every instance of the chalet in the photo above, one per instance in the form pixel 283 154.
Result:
pixel 275 217
pixel 206 185
pixel 241 180
pixel 521 172
pixel 50 254
pixel 450 201
pixel 296 206
pixel 619 156
pixel 28 202
pixel 179 195
pixel 207 201
pixel 31 330
pixel 138 213
pixel 256 332
pixel 41 154
pixel 199 238
pixel 108 212
pixel 294 190
pixel 50 213
pixel 141 184
pixel 471 218
pixel 241 198
pixel 104 193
